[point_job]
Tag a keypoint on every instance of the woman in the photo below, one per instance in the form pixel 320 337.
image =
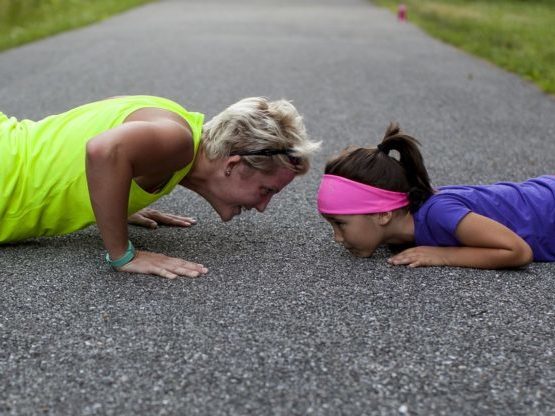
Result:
pixel 106 161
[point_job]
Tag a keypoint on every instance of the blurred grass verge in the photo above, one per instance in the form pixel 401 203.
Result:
pixel 23 21
pixel 518 35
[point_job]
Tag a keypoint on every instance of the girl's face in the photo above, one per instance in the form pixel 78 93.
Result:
pixel 360 234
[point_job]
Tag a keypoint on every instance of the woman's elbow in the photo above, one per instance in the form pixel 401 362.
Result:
pixel 101 155
pixel 95 150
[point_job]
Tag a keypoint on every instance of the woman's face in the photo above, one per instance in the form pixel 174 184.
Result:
pixel 245 188
pixel 360 234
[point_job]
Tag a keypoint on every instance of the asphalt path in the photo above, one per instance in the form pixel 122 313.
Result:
pixel 286 322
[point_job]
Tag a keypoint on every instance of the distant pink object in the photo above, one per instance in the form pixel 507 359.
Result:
pixel 402 12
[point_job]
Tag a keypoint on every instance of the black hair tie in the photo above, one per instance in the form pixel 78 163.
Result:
pixel 382 149
pixel 263 152
pixel 270 152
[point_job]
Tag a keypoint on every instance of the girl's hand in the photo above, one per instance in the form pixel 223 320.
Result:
pixel 158 264
pixel 419 256
pixel 151 218
pixel 485 244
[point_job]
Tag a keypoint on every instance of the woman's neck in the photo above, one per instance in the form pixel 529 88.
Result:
pixel 199 177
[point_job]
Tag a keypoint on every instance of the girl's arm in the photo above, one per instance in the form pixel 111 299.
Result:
pixel 487 244
pixel 113 159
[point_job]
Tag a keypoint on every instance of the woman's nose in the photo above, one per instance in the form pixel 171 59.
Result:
pixel 261 206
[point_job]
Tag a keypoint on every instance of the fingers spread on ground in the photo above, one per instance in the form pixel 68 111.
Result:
pixel 146 222
pixel 179 219
pixel 180 223
pixel 189 272
pixel 167 274
pixel 185 219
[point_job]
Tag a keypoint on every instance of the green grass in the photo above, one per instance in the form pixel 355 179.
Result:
pixel 23 21
pixel 518 35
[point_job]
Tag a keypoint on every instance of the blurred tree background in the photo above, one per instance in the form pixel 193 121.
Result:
pixel 23 21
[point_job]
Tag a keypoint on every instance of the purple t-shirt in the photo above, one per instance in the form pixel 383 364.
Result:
pixel 527 208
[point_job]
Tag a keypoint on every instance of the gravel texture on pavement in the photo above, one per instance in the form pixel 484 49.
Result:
pixel 285 322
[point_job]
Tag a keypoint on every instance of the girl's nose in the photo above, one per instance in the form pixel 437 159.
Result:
pixel 337 236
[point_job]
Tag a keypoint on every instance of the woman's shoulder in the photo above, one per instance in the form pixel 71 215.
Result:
pixel 142 99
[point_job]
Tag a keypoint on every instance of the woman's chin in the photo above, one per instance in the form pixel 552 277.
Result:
pixel 227 216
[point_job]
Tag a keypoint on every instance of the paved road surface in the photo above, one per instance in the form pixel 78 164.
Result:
pixel 285 323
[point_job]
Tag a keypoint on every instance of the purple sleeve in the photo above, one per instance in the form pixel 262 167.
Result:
pixel 442 219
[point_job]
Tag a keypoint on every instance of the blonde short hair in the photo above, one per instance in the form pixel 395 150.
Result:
pixel 256 124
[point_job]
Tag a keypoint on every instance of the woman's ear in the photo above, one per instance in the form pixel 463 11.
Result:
pixel 230 163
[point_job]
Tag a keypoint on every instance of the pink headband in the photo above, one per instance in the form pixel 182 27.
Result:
pixel 342 196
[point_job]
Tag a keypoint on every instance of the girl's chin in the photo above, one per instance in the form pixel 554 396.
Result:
pixel 360 253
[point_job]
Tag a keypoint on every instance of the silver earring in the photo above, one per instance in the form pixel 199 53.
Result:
pixel 227 172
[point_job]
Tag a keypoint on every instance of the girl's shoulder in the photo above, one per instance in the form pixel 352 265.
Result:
pixel 437 219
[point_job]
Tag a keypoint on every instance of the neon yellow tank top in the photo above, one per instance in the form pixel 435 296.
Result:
pixel 43 184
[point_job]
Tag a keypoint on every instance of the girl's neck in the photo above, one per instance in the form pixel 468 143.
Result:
pixel 401 229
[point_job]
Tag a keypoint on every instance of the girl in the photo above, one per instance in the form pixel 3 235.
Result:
pixel 106 161
pixel 371 198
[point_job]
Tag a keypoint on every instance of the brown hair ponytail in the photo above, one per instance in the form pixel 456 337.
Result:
pixel 376 168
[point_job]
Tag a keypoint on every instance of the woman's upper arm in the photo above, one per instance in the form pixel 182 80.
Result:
pixel 475 230
pixel 148 146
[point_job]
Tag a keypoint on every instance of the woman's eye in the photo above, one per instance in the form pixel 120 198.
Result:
pixel 266 191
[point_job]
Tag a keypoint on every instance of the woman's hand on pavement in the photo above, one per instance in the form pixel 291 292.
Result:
pixel 151 218
pixel 146 262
